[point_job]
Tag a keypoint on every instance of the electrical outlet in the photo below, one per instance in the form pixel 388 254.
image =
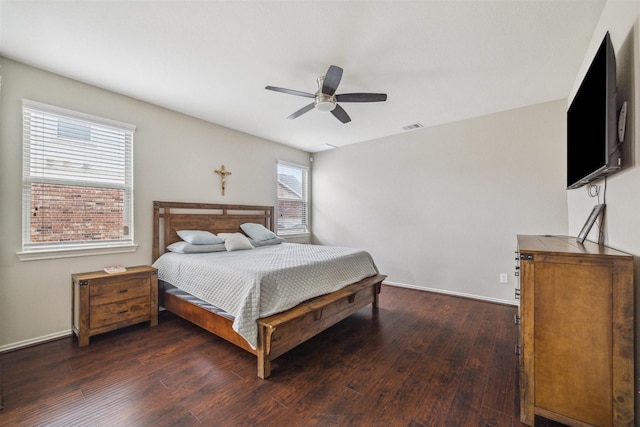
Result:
pixel 504 278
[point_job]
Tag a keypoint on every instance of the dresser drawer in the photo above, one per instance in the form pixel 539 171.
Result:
pixel 118 291
pixel 107 314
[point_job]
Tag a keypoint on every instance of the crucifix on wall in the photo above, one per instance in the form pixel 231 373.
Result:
pixel 223 175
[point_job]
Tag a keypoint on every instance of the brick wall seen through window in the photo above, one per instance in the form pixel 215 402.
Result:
pixel 63 213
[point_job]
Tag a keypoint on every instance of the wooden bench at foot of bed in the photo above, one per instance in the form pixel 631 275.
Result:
pixel 281 332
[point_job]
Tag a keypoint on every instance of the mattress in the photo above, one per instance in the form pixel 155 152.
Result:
pixel 179 293
pixel 255 283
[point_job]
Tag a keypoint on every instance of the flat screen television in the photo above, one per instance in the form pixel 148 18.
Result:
pixel 592 136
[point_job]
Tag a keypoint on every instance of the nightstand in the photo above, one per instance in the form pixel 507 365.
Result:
pixel 104 302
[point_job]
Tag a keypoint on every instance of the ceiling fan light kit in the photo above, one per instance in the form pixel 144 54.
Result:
pixel 325 98
pixel 325 104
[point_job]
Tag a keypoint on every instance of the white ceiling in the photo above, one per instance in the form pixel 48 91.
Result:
pixel 438 61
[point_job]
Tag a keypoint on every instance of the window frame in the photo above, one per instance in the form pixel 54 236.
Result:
pixel 306 187
pixel 58 249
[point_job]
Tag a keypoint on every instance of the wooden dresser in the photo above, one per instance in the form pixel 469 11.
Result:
pixel 576 332
pixel 103 302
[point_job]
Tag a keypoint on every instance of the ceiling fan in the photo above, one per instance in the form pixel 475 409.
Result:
pixel 326 99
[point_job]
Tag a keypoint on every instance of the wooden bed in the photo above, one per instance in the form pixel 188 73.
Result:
pixel 279 333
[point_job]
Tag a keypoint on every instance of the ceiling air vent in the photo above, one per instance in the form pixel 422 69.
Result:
pixel 412 127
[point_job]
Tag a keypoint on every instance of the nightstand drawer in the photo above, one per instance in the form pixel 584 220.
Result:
pixel 118 291
pixel 107 314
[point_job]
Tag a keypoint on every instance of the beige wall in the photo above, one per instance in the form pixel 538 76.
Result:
pixel 174 159
pixel 439 208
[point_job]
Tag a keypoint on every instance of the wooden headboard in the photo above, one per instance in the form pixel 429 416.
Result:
pixel 169 217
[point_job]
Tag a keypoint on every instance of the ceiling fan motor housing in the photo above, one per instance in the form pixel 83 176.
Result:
pixel 325 102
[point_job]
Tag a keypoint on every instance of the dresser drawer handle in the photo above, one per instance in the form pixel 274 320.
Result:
pixel 123 291
pixel 123 311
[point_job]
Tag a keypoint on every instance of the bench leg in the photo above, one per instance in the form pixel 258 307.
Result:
pixel 376 295
pixel 264 362
pixel 264 365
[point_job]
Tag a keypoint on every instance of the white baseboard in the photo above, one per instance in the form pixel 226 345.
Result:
pixel 33 341
pixel 452 293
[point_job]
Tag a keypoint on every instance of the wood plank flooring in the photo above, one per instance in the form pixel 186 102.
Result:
pixel 423 359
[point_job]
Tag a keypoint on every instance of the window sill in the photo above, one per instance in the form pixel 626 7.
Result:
pixel 74 252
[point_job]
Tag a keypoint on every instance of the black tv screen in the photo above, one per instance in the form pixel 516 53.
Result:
pixel 592 142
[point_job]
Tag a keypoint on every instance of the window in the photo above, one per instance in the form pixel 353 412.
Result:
pixel 77 180
pixel 293 198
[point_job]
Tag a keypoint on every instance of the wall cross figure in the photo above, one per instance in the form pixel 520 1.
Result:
pixel 223 175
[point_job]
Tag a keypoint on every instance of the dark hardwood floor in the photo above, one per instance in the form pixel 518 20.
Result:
pixel 423 359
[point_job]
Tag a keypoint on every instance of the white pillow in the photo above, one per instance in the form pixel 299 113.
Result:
pixel 199 237
pixel 187 248
pixel 257 232
pixel 259 243
pixel 235 241
pixel 223 236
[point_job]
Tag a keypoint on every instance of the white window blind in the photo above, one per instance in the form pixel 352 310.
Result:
pixel 77 179
pixel 293 198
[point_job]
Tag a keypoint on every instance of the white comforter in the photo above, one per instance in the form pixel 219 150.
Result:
pixel 259 282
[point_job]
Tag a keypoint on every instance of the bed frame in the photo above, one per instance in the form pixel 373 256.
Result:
pixel 279 333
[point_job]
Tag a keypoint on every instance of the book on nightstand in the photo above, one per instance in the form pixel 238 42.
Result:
pixel 115 269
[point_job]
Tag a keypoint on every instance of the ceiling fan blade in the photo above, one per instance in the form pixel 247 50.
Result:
pixel 290 91
pixel 361 97
pixel 302 111
pixel 340 114
pixel 332 80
